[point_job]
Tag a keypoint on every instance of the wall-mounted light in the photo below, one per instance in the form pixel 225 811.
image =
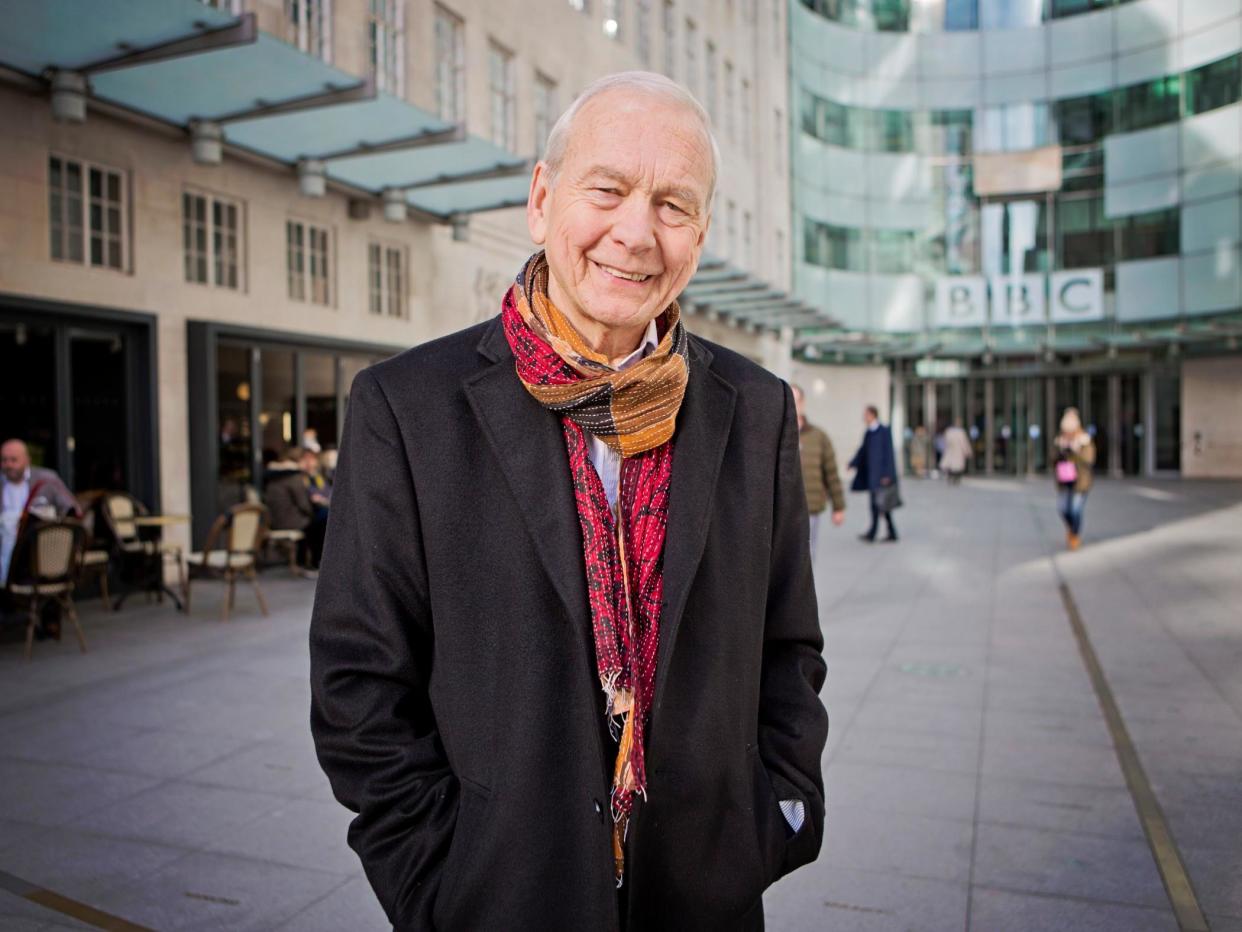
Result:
pixel 243 391
pixel 206 142
pixel 461 228
pixel 394 205
pixel 312 178
pixel 69 96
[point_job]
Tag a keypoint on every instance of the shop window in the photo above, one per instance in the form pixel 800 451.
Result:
pixel 319 390
pixel 87 213
pixel 1214 85
pixel 233 391
pixel 211 240
pixel 386 280
pixel 1149 103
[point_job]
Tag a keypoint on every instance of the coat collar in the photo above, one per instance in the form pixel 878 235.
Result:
pixel 528 444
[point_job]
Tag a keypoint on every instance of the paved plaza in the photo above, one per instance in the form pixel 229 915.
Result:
pixel 167 777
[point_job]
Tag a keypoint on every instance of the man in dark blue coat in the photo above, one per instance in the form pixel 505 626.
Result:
pixel 875 468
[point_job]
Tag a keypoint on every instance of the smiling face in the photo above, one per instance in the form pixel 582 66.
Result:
pixel 624 220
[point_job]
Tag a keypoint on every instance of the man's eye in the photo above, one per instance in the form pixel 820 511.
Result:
pixel 613 191
pixel 676 207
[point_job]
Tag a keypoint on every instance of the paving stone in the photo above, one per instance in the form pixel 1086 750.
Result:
pixel 1005 911
pixel 1065 864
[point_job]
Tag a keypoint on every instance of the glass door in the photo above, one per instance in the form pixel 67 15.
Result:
pixel 1131 428
pixel 99 402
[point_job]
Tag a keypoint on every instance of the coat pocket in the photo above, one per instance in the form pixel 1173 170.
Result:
pixel 770 826
pixel 471 821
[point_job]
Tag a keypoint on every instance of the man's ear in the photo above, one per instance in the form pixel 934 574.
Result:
pixel 537 204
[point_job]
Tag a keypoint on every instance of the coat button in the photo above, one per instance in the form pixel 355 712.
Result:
pixel 599 810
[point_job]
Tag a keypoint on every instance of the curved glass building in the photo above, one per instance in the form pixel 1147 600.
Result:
pixel 1021 205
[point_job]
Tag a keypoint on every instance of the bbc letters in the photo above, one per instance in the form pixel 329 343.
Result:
pixel 1067 297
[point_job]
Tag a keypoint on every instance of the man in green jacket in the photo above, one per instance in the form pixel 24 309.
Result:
pixel 819 471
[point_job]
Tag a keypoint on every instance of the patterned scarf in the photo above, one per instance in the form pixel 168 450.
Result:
pixel 634 412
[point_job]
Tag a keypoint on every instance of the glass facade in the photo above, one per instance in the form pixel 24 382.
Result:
pixel 950 15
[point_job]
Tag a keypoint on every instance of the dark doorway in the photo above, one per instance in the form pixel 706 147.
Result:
pixel 99 401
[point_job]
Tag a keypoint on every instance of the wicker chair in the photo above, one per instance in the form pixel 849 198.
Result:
pixel 231 550
pixel 119 510
pixel 54 551
pixel 96 561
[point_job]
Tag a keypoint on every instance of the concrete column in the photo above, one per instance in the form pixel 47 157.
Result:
pixel 1115 467
pixel 897 416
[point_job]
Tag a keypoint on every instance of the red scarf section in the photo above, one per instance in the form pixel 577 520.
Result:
pixel 624 570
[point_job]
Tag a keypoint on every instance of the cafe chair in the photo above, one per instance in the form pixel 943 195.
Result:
pixel 96 561
pixel 54 551
pixel 119 510
pixel 231 550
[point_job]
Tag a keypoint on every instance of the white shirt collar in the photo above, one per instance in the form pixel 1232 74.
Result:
pixel 874 425
pixel 651 339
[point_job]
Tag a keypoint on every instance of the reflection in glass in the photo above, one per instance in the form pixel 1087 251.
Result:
pixel 1010 14
pixel 1011 127
pixel 276 410
pixel 319 383
pixel 233 419
pixel 1217 84
pixel 1014 238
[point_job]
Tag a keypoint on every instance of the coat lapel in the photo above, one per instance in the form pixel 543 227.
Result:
pixel 530 448
pixel 698 449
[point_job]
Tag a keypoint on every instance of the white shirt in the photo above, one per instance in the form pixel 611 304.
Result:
pixel 607 462
pixel 13 501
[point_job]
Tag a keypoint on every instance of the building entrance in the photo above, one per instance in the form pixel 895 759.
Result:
pixel 1012 419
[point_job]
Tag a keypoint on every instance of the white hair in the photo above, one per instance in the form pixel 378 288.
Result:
pixel 644 82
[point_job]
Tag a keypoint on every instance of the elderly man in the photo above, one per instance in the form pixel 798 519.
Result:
pixel 565 657
pixel 26 489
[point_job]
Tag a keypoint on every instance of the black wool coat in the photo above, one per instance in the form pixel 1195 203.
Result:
pixel 456 706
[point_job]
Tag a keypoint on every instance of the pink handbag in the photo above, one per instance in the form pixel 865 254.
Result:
pixel 1067 472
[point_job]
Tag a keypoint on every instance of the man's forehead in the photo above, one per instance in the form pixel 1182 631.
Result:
pixel 627 117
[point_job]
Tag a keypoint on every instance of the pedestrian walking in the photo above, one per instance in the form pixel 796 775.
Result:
pixel 555 672
pixel 876 474
pixel 957 452
pixel 920 448
pixel 1074 457
pixel 819 472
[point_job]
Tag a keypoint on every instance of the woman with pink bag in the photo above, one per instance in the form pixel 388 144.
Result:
pixel 1075 455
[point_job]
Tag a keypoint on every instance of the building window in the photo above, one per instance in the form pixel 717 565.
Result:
pixel 386 40
pixel 710 101
pixel 308 262
pixel 1149 103
pixel 747 128
pixel 670 38
pixel 642 31
pixel 730 95
pixel 1214 85
pixel 894 130
pixel 308 25
pixel 386 280
pixel 1145 236
pixel 692 66
pixel 833 247
pixel 500 94
pixel 748 255
pixel 1084 233
pixel 612 19
pixel 229 6
pixel 892 251
pixel 211 240
pixel 950 132
pixel 545 111
pixel 450 67
pixel 87 213
pixel 780 256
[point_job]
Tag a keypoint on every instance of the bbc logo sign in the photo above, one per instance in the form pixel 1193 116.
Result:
pixel 1020 300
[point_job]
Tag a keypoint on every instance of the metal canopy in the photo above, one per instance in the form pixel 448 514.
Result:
pixel 182 62
pixel 722 290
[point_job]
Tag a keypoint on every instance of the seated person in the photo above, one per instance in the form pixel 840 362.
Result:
pixel 292 503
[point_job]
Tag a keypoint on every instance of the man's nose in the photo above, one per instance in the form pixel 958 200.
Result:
pixel 634 224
